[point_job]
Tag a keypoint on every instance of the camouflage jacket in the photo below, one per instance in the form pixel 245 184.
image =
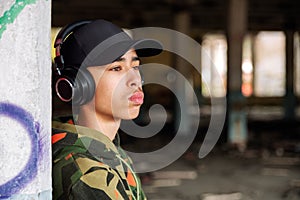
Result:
pixel 88 165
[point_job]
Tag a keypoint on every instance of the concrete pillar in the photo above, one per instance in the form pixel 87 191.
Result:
pixel 237 26
pixel 25 100
pixel 182 24
pixel 290 98
pixel 253 58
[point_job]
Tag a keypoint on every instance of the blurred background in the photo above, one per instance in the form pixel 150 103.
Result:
pixel 253 47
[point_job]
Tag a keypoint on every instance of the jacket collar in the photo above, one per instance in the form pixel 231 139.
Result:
pixel 82 131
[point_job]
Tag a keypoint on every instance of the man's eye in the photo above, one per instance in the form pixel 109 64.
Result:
pixel 117 68
pixel 136 67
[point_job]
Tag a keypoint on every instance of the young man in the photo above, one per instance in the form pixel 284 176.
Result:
pixel 97 70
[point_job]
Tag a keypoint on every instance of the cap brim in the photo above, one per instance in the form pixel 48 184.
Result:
pixel 147 47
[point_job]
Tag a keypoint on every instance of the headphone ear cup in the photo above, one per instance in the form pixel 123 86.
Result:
pixel 76 86
pixel 84 89
pixel 64 85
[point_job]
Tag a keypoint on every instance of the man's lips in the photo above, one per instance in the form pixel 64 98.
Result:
pixel 137 98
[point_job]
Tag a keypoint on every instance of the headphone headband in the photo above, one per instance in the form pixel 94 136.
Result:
pixel 65 31
pixel 60 38
pixel 71 84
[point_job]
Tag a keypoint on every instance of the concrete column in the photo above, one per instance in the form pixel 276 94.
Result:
pixel 237 26
pixel 25 100
pixel 253 35
pixel 182 24
pixel 290 98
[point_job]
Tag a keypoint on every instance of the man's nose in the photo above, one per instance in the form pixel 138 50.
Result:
pixel 134 78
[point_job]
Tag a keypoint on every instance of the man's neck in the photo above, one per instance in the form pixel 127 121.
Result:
pixel 105 124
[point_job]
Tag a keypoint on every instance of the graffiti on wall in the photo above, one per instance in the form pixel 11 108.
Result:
pixel 21 116
pixel 11 14
pixel 28 173
pixel 24 177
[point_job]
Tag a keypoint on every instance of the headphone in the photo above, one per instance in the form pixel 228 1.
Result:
pixel 71 83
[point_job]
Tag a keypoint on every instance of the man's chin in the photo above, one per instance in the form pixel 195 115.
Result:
pixel 131 116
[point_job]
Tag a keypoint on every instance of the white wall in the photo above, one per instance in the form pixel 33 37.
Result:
pixel 25 99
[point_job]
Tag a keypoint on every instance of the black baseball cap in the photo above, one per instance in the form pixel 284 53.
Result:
pixel 101 42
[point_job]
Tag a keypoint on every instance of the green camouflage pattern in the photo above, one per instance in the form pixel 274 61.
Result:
pixel 88 165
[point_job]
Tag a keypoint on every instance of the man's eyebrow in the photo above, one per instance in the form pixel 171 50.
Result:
pixel 136 58
pixel 121 59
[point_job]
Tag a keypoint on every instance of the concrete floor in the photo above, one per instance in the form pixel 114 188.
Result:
pixel 227 175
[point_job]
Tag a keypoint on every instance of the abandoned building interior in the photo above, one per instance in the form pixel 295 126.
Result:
pixel 245 94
